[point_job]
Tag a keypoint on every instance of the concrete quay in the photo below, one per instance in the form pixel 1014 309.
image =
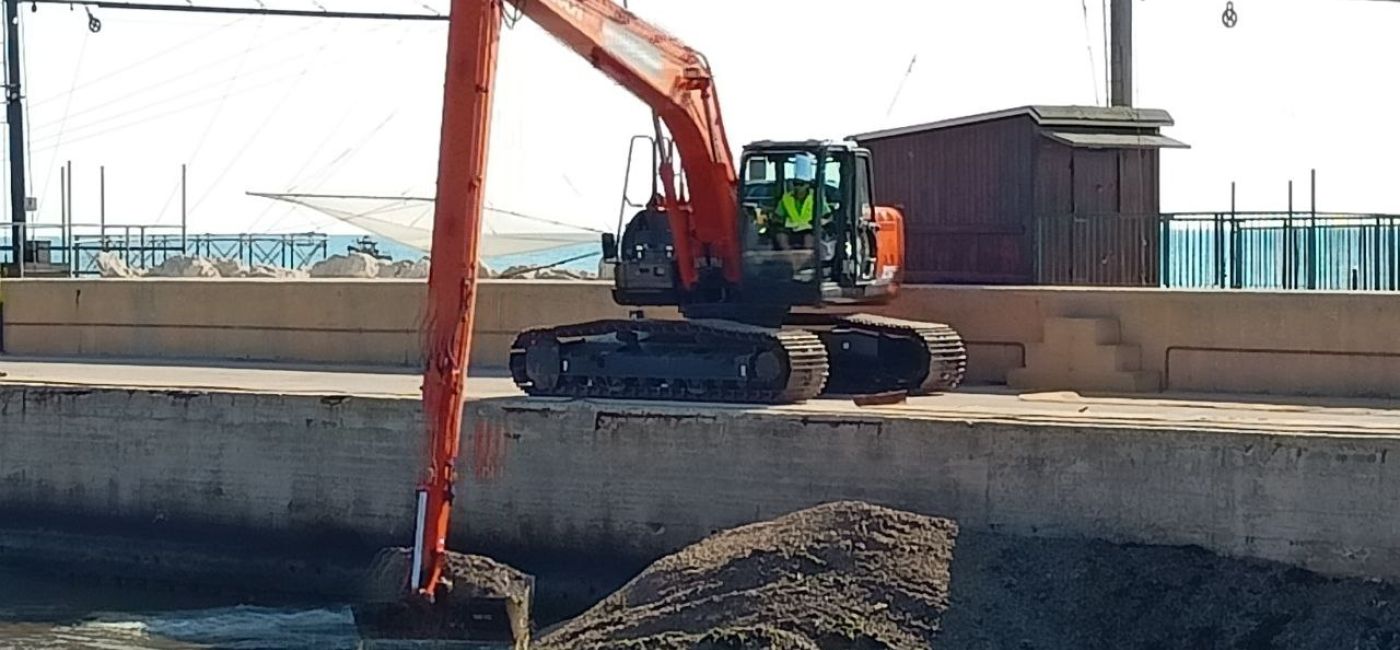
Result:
pixel 287 474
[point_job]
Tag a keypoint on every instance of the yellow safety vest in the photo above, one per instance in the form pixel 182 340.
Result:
pixel 797 219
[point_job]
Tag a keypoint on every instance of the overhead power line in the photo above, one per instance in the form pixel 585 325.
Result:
pixel 244 11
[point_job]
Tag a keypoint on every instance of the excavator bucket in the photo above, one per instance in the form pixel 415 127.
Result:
pixel 481 605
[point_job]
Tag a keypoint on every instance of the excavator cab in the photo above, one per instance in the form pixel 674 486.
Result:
pixel 809 231
pixel 808 224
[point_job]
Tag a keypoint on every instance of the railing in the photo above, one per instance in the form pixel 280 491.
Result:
pixel 1241 250
pixel 72 250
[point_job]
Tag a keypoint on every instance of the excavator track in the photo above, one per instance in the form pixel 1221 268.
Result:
pixel 695 360
pixel 875 354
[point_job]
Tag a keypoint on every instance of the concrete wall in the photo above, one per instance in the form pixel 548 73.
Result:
pixel 318 321
pixel 1309 343
pixel 542 478
pixel 1297 342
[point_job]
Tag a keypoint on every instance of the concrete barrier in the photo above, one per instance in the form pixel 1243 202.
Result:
pixel 360 322
pixel 542 478
pixel 1335 344
pixel 1299 343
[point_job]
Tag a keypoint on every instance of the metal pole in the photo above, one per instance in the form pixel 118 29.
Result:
pixel 1312 234
pixel 102 205
pixel 1290 275
pixel 68 229
pixel 63 200
pixel 14 115
pixel 184 214
pixel 1122 56
pixel 1164 226
pixel 1236 260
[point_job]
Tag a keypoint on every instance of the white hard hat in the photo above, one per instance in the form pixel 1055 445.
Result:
pixel 804 168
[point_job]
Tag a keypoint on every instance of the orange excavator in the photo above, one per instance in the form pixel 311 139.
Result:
pixel 765 269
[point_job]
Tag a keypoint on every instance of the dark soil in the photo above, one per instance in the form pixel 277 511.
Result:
pixel 1024 593
pixel 854 576
pixel 841 575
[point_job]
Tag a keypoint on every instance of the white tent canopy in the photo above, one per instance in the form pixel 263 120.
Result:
pixel 408 220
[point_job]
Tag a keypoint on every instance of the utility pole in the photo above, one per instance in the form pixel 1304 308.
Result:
pixel 14 115
pixel 1121 85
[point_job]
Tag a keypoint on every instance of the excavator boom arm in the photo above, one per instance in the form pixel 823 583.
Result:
pixel 676 82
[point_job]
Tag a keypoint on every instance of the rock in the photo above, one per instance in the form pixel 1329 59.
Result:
pixel 265 271
pixel 111 265
pixel 184 267
pixel 557 274
pixel 229 268
pixel 350 265
pixel 405 270
pixel 395 270
pixel 515 272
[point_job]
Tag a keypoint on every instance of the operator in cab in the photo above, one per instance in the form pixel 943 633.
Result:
pixel 796 207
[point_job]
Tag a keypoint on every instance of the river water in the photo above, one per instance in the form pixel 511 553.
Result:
pixel 44 614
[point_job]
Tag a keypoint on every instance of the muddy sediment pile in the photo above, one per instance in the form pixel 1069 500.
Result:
pixel 1017 592
pixel 850 576
pixel 841 575
pixel 483 600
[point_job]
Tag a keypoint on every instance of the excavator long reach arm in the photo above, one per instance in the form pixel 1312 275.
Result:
pixel 706 358
pixel 665 74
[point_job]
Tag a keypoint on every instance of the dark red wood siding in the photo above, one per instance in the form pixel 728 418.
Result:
pixel 967 195
pixel 997 202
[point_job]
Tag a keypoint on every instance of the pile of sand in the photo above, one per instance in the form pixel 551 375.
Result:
pixel 841 575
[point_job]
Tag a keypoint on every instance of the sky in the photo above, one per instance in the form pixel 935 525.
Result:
pixel 272 104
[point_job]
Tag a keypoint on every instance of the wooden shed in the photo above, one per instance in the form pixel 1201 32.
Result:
pixel 1030 195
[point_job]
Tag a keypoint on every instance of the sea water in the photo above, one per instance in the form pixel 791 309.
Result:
pixel 46 614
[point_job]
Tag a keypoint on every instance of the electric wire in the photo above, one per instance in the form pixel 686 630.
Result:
pixel 82 52
pixel 47 142
pixel 141 92
pixel 345 156
pixel 202 37
pixel 1107 55
pixel 1089 48
pixel 218 109
pixel 181 108
pixel 296 85
pixel 301 171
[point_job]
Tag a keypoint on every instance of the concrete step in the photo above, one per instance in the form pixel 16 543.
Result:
pixel 1081 331
pixel 1127 358
pixel 1141 381
pixel 1090 359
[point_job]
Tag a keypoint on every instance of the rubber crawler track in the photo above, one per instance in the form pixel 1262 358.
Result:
pixel 800 354
pixel 947 355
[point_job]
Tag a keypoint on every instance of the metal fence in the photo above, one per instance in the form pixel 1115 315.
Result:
pixel 1239 250
pixel 72 250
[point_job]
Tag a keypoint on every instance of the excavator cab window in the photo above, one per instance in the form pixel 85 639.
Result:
pixel 787 197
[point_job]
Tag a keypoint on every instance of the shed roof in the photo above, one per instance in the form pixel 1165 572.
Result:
pixel 1106 117
pixel 1115 140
